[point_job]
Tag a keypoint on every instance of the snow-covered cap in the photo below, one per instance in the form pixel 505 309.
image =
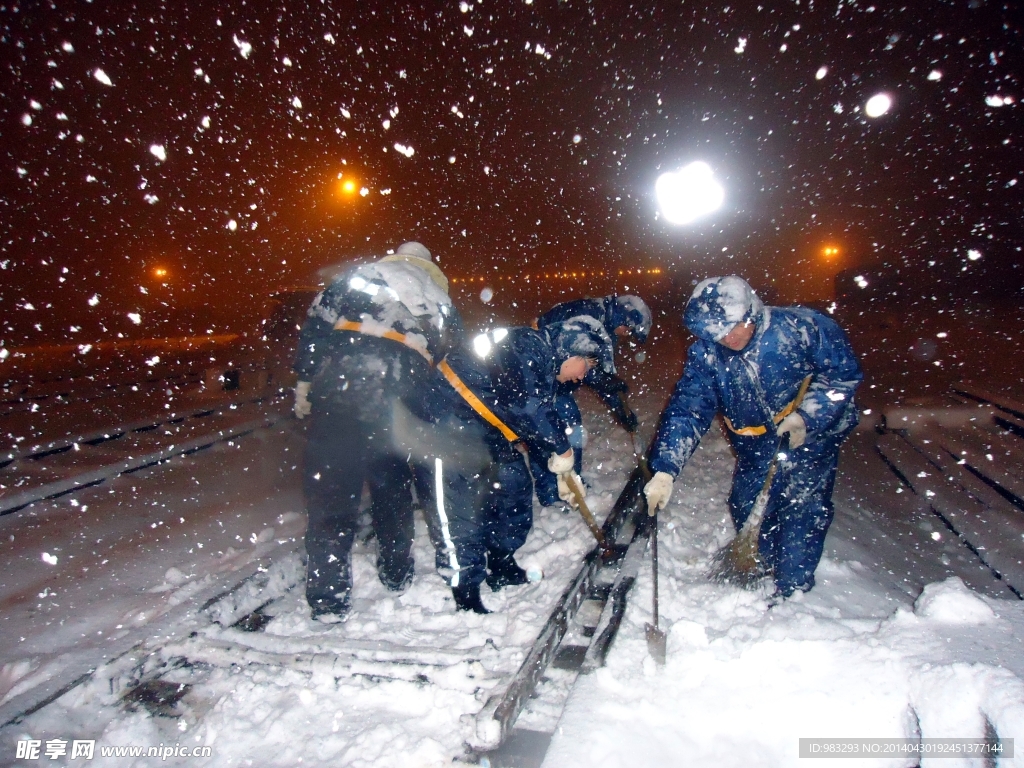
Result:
pixel 412 248
pixel 418 255
pixel 718 304
pixel 582 336
pixel 633 312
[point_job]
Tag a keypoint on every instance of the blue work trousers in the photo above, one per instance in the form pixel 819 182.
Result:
pixel 799 509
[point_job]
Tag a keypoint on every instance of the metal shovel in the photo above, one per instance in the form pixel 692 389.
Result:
pixel 655 636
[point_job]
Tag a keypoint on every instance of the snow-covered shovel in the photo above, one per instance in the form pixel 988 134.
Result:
pixel 655 636
pixel 739 562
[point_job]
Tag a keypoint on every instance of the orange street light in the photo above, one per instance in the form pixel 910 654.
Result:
pixel 829 251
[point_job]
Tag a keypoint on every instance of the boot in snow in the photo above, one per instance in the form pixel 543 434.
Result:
pixel 504 571
pixel 396 577
pixel 467 598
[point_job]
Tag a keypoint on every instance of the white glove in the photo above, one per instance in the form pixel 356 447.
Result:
pixel 794 426
pixel 565 492
pixel 559 464
pixel 302 406
pixel 658 491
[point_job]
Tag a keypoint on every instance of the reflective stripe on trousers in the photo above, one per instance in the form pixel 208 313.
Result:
pixel 446 533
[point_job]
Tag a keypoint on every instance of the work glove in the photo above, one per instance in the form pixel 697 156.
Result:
pixel 658 490
pixel 794 426
pixel 302 406
pixel 565 492
pixel 559 464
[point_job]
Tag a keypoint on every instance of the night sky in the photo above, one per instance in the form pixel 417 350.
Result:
pixel 212 141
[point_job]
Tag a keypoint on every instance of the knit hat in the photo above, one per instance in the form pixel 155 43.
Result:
pixel 418 255
pixel 718 304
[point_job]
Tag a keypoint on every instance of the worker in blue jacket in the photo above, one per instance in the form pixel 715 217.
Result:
pixel 501 387
pixel 748 364
pixel 620 317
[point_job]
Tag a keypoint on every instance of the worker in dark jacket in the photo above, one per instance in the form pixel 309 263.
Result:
pixel 502 387
pixel 365 355
pixel 619 317
pixel 748 364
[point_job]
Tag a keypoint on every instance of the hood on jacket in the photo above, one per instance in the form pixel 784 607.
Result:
pixel 718 304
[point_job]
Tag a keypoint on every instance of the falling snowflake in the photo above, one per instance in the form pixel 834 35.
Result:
pixel 243 47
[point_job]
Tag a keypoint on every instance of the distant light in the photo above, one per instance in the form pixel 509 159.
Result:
pixel 860 281
pixel 689 193
pixel 157 151
pixel 577 139
pixel 974 254
pixel 404 150
pixel 232 225
pixel 100 75
pixel 159 272
pixel 935 75
pixel 820 74
pixel 740 46
pixel 877 105
pixel 998 101
pixel 486 295
pixel 829 251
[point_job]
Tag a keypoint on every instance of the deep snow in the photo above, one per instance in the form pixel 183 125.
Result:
pixel 856 657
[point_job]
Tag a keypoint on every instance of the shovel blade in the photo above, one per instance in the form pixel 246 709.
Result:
pixel 655 643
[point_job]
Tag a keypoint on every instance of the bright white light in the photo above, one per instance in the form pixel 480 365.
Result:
pixel 688 194
pixel 934 75
pixel 157 151
pixel 820 74
pixel 500 334
pixel 998 101
pixel 877 105
pixel 232 225
pixel 740 45
pixel 577 139
pixel 486 295
pixel 100 75
pixel 974 254
pixel 49 559
pixel 860 281
pixel 135 317
pixel 482 345
pixel 402 149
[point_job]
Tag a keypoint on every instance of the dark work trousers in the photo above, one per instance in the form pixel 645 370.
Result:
pixel 479 509
pixel 508 507
pixel 341 452
pixel 799 509
pixel 350 442
pixel 572 420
